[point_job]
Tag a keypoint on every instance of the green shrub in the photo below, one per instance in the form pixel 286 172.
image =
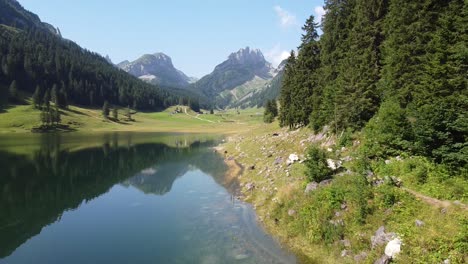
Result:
pixel 388 133
pixel 268 118
pixel 317 169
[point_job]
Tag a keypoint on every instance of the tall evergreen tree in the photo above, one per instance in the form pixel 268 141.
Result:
pixel 36 97
pixel 46 99
pixel 105 109
pixel 287 86
pixel 13 91
pixel 54 94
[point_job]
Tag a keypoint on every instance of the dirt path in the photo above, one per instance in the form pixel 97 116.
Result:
pixel 196 117
pixel 433 201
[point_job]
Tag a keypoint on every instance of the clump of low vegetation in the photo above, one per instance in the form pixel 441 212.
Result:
pixel 271 111
pixel 316 163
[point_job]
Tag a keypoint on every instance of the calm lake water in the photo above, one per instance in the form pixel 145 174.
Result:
pixel 124 198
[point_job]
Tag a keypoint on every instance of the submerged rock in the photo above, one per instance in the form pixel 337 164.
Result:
pixel 241 256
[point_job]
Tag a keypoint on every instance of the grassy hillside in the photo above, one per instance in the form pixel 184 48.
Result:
pixel 23 118
pixel 335 222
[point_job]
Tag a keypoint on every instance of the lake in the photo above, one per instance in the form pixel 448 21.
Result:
pixel 124 198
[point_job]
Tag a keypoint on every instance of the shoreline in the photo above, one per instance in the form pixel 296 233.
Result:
pixel 245 190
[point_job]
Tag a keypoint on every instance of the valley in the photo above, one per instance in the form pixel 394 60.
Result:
pixel 352 147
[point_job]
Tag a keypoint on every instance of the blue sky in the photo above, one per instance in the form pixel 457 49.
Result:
pixel 197 35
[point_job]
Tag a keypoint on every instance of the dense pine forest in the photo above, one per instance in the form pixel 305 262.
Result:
pixel 35 60
pixel 395 69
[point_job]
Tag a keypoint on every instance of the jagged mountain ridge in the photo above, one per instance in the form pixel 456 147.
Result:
pixel 244 72
pixel 14 15
pixel 156 69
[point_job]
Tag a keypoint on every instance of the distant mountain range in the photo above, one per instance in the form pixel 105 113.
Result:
pixel 241 80
pixel 156 69
pixel 235 80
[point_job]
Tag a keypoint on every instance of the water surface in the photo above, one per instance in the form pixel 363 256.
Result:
pixel 124 198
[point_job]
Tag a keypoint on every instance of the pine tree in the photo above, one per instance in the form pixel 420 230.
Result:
pixel 54 94
pixel 287 87
pixel 105 109
pixel 128 113
pixel 46 99
pixel 13 91
pixel 115 113
pixel 36 98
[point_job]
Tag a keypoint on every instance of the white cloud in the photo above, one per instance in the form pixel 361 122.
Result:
pixel 276 55
pixel 286 19
pixel 319 12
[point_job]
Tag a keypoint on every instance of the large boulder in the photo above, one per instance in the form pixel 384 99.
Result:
pixel 311 187
pixel 292 158
pixel 380 237
pixel 393 248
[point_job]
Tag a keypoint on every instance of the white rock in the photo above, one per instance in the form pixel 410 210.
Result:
pixel 333 164
pixel 393 248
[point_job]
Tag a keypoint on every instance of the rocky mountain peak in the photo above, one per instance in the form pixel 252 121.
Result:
pixel 156 68
pixel 247 56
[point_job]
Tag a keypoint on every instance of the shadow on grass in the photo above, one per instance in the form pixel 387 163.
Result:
pixel 52 128
pixel 73 111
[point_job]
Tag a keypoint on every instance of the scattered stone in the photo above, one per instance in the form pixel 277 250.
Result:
pixel 278 160
pixel 378 182
pixel 291 212
pixel 250 186
pixel 393 248
pixel 329 149
pixel 344 253
pixel 380 237
pixel 444 210
pixel 334 165
pixel 360 257
pixel 398 158
pixel 419 223
pixel 388 162
pixel 446 261
pixel 346 243
pixel 347 158
pixel 292 158
pixel 325 182
pixel 338 222
pixel 383 260
pixel 311 187
pixel 344 206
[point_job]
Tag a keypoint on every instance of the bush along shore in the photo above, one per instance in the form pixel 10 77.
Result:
pixel 324 199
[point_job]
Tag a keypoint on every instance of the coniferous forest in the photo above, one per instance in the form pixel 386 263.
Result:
pixel 35 59
pixel 396 69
